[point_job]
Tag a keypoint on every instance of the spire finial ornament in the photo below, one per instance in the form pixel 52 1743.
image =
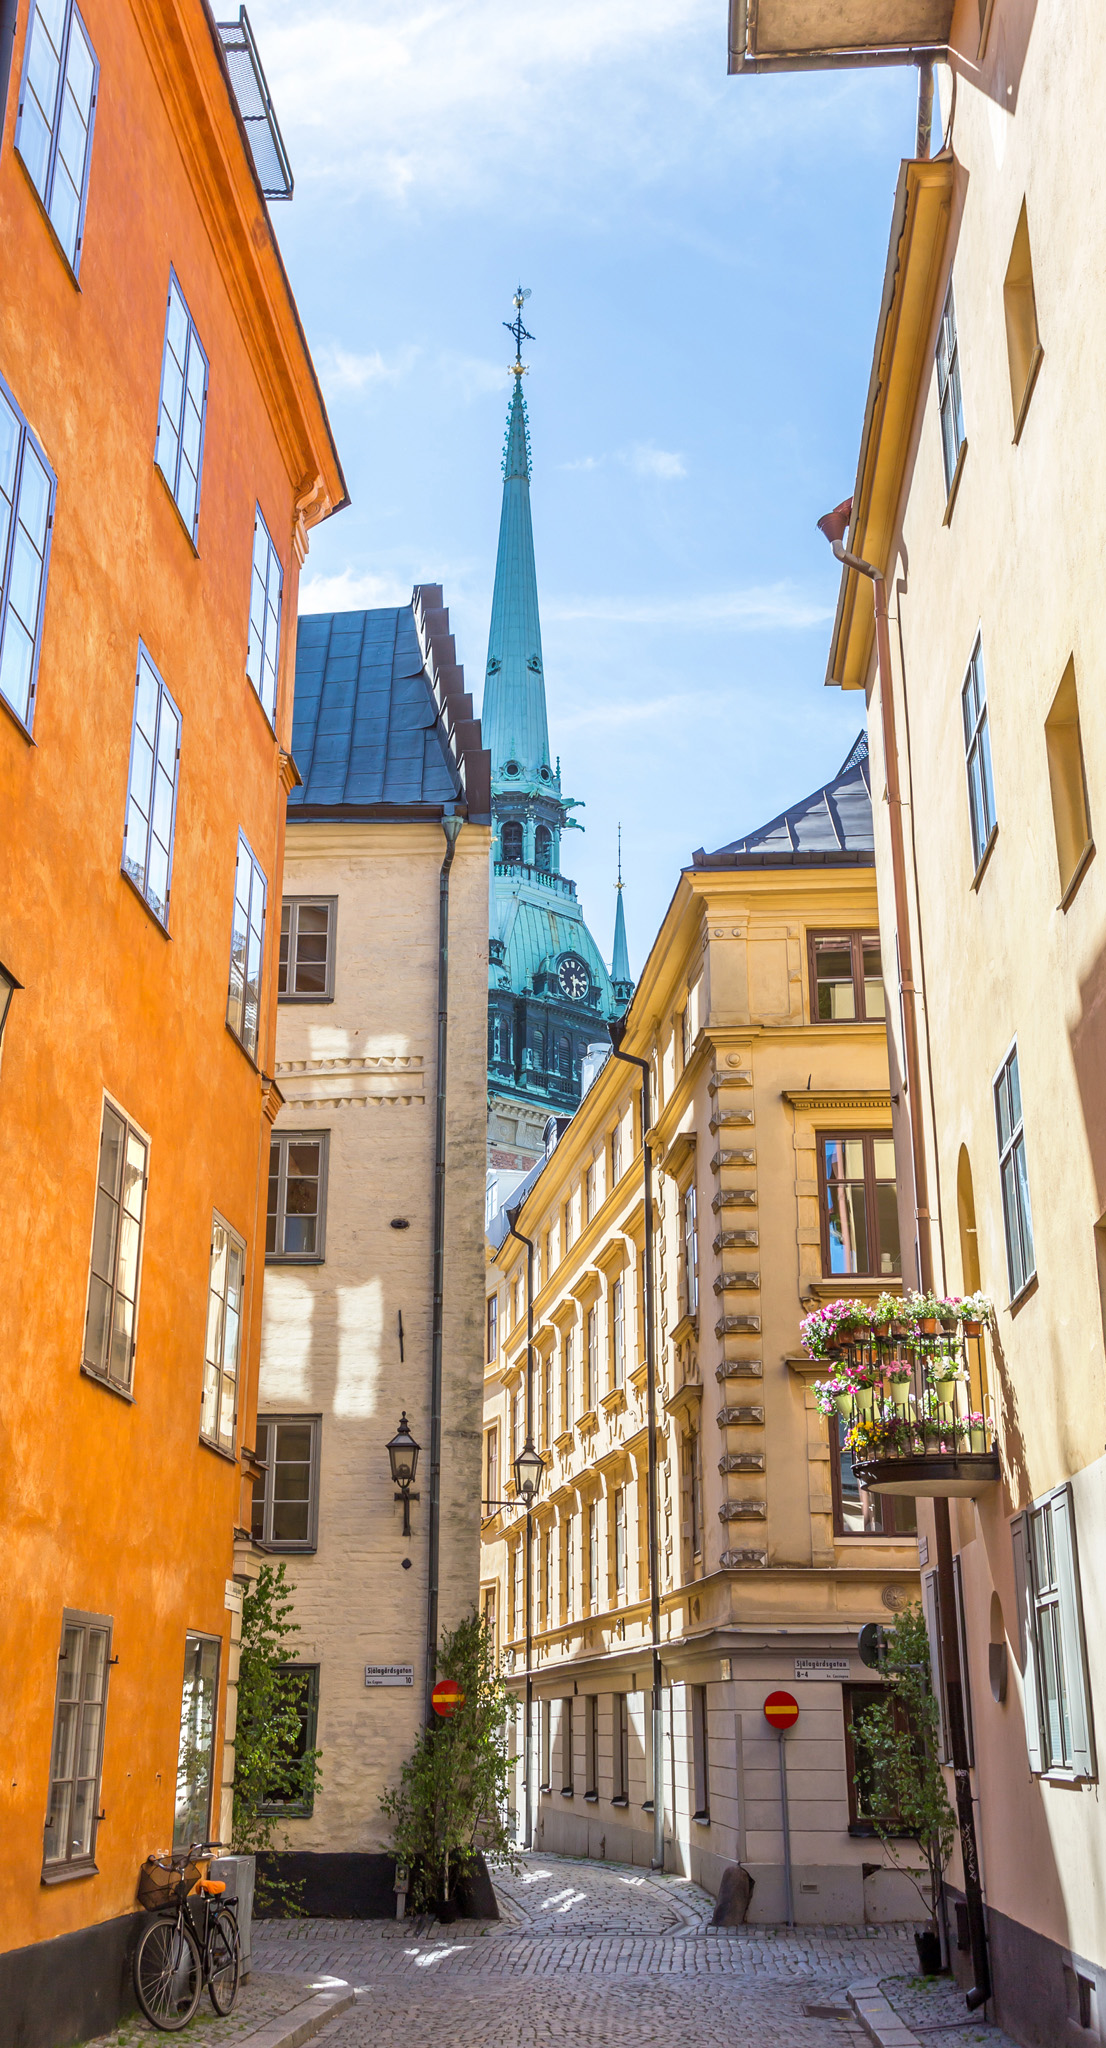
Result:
pixel 521 333
pixel 621 979
pixel 618 884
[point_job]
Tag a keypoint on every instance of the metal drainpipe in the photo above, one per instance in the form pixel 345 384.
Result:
pixel 617 1027
pixel 451 826
pixel 528 1825
pixel 950 1643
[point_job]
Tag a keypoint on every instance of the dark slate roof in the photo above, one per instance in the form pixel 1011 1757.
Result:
pixel 831 827
pixel 366 729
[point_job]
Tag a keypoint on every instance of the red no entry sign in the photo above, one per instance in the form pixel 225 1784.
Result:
pixel 781 1709
pixel 447 1697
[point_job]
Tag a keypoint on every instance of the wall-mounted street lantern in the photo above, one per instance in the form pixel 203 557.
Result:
pixel 529 1467
pixel 403 1456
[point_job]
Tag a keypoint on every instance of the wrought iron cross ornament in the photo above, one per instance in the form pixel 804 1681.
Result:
pixel 520 332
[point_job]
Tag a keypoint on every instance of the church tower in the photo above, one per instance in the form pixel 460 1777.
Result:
pixel 550 992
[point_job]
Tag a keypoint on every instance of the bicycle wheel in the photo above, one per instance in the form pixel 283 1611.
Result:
pixel 224 1960
pixel 168 1976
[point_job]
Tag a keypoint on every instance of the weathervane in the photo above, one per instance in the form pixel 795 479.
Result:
pixel 618 884
pixel 521 333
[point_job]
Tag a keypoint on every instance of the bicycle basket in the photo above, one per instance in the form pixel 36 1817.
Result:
pixel 159 1887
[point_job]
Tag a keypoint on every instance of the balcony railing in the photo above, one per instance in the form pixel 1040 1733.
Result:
pixel 909 1380
pixel 558 884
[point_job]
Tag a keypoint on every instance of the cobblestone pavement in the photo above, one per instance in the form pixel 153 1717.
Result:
pixel 266 1997
pixel 933 2008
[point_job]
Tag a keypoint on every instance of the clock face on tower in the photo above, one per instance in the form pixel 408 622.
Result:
pixel 573 978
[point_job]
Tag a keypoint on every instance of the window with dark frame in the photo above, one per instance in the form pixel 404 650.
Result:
pixel 286 1497
pixel 567 1731
pixel 510 841
pixel 56 117
pixel 545 1741
pixel 27 490
pixel 547 1579
pixel 570 1567
pixel 568 1411
pixel 1056 1696
pixel 590 1358
pixel 846 978
pixel 949 399
pixel 857 1701
pixel 77 1746
pixel 1021 1263
pixel 305 972
pixel 296 1804
pixel 182 409
pixel 977 754
pixel 856 1511
pixel 111 1319
pixel 489 1614
pixel 694 1496
pixel 492 1346
pixel 517 1591
pixel 593 1559
pixel 700 1751
pixel 196 1752
pixel 616 1155
pixel 263 648
pixel 548 1406
pixel 295 1225
pixel 620 1712
pixel 152 782
pixel 226 1278
pixel 690 1249
pixel 591 1746
pixel 859 1204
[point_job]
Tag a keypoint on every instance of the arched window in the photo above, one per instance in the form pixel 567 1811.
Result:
pixel 511 841
pixel 543 849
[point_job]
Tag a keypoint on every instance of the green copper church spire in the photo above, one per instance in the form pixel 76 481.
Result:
pixel 513 715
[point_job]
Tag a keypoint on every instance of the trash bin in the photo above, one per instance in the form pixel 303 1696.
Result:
pixel 237 1873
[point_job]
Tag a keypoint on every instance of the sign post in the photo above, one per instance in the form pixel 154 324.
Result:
pixel 781 1711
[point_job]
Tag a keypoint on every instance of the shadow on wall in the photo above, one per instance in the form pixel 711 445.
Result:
pixel 997 69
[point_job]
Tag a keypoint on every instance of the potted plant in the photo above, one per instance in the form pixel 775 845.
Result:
pixel 899 1377
pixel 975 1313
pixel 900 1784
pixel 977 1433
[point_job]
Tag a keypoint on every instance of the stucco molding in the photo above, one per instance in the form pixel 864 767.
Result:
pixel 376 1079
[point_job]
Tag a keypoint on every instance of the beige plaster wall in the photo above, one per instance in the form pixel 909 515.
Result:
pixel 363 1067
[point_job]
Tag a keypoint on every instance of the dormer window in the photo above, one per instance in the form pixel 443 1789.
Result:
pixel 511 841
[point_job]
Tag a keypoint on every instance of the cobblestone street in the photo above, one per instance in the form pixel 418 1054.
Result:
pixel 591 1956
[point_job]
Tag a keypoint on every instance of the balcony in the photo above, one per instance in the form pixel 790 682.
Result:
pixel 558 885
pixel 908 1378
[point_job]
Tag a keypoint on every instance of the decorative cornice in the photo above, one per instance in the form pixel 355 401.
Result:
pixel 272 1101
pixel 856 1098
pixel 340 1083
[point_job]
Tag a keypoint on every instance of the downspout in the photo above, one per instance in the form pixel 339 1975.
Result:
pixel 950 1644
pixel 617 1027
pixel 528 1825
pixel 451 826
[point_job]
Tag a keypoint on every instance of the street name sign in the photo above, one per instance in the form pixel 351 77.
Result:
pixel 821 1667
pixel 389 1674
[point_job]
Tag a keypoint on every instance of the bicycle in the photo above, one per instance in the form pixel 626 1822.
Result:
pixel 191 1941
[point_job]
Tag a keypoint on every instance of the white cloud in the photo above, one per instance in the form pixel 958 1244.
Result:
pixel 655 462
pixel 584 462
pixel 342 370
pixel 771 606
pixel 350 592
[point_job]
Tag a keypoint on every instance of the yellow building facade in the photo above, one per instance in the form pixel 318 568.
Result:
pixel 760 1014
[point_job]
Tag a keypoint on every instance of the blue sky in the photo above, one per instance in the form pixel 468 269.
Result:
pixel 705 256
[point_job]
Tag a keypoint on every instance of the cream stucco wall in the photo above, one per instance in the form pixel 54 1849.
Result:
pixel 767 1581
pixel 1016 559
pixel 363 1068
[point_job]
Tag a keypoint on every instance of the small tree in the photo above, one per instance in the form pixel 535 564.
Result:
pixel 271 1768
pixel 451 1800
pixel 897 1774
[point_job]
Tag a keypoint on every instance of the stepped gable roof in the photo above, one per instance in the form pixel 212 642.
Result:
pixel 830 828
pixel 383 725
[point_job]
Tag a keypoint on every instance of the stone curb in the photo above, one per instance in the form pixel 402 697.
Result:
pixel 301 2023
pixel 879 2020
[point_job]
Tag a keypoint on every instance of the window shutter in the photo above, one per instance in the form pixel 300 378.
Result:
pixel 962 1640
pixel 931 1605
pixel 1071 1630
pixel 1027 1640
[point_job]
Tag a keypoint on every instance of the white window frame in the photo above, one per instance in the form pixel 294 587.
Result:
pixel 950 397
pixel 63 60
pixel 223 1336
pixel 131 1132
pixel 979 767
pixel 145 808
pixel 85 1743
pixel 196 1642
pixel 1053 1614
pixel 266 597
pixel 170 455
pixel 247 918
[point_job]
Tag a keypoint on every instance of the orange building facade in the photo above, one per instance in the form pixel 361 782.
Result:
pixel 163 450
